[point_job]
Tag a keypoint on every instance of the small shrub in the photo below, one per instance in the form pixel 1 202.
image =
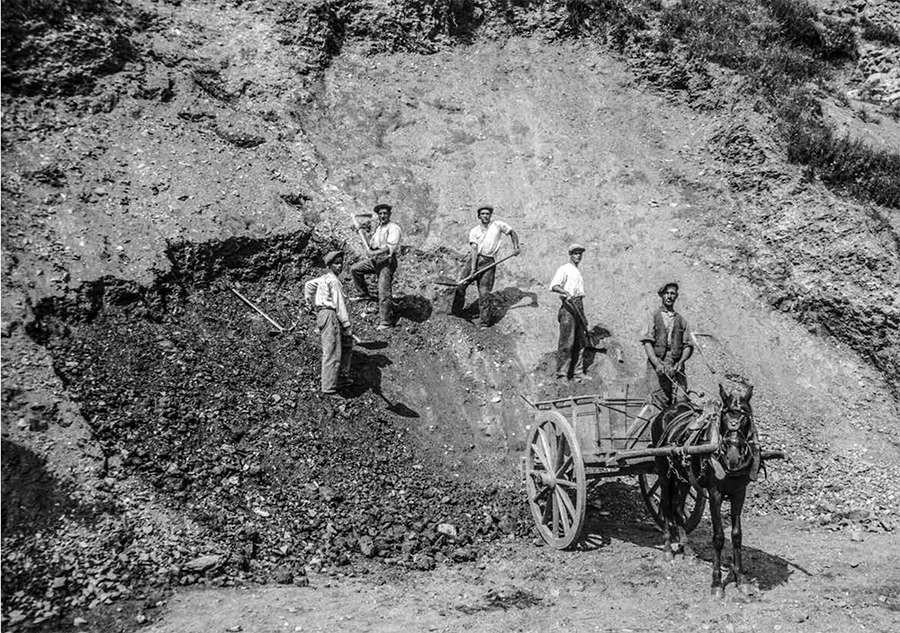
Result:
pixel 839 162
pixel 801 26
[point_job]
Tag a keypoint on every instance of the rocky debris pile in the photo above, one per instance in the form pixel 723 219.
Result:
pixel 879 72
pixel 222 463
pixel 878 68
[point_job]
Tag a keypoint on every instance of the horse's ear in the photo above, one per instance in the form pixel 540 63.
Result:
pixel 723 395
pixel 747 395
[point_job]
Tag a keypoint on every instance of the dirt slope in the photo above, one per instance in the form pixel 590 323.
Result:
pixel 215 122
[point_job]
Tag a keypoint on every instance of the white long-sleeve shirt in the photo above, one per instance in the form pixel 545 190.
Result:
pixel 326 292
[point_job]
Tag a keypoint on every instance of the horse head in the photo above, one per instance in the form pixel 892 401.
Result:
pixel 736 432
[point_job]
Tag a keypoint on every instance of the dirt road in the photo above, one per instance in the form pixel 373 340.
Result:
pixel 804 580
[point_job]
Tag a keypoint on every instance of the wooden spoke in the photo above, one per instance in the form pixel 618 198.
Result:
pixel 566 502
pixel 545 443
pixel 564 466
pixel 649 484
pixel 693 507
pixel 540 493
pixel 542 457
pixel 555 505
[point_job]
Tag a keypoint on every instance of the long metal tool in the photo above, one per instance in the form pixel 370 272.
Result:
pixel 706 360
pixel 465 280
pixel 257 308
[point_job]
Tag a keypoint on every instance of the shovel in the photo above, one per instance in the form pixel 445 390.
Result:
pixel 582 321
pixel 278 326
pixel 465 280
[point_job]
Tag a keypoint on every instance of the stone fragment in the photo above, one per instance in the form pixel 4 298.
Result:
pixel 203 563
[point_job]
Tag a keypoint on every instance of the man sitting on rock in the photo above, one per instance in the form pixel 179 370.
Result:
pixel 382 248
pixel 325 297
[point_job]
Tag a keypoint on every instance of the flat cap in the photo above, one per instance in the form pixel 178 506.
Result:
pixel 484 207
pixel 331 256
pixel 662 288
pixel 576 247
pixel 379 207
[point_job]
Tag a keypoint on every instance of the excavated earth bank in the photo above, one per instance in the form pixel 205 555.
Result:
pixel 155 432
pixel 196 402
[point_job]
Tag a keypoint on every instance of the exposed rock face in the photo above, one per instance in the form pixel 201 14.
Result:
pixel 62 48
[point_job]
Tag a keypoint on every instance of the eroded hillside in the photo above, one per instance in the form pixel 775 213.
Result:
pixel 157 153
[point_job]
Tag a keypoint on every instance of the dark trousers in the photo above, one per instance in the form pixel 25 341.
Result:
pixel 570 350
pixel 485 283
pixel 384 269
pixel 663 390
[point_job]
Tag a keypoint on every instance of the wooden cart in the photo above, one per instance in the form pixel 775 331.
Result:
pixel 575 442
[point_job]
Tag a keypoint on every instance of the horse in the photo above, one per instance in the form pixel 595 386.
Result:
pixel 724 474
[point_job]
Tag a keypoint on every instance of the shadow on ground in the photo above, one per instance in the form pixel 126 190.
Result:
pixel 367 368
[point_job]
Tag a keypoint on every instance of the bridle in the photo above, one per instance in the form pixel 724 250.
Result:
pixel 734 434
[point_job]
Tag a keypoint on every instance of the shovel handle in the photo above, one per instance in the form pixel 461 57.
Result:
pixel 486 268
pixel 582 321
pixel 257 308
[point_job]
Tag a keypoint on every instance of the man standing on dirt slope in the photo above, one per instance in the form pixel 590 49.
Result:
pixel 326 296
pixel 484 243
pixel 668 344
pixel 569 284
pixel 382 248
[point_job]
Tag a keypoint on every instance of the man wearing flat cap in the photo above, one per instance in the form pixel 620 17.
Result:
pixel 668 344
pixel 325 297
pixel 382 249
pixel 569 284
pixel 484 244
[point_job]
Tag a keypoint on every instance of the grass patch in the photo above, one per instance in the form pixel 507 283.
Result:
pixel 783 46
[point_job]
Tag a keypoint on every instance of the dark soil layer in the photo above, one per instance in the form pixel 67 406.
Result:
pixel 195 401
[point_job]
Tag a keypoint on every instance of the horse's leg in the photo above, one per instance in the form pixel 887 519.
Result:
pixel 681 521
pixel 665 505
pixel 737 505
pixel 718 537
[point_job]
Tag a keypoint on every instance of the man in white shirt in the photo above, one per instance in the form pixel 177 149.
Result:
pixel 569 284
pixel 382 248
pixel 325 297
pixel 484 243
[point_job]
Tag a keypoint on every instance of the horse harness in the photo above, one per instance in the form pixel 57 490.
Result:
pixel 691 426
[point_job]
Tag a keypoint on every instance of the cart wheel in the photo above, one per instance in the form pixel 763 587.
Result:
pixel 554 480
pixel 694 505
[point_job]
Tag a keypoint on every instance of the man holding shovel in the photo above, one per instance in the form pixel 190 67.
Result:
pixel 381 250
pixel 573 334
pixel 324 296
pixel 484 243
pixel 668 344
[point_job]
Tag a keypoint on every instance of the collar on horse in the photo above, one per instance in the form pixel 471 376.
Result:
pixel 689 425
